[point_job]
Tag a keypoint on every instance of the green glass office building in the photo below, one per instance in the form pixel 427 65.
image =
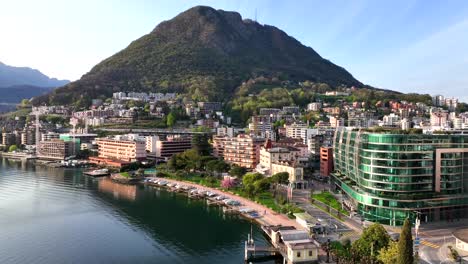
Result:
pixel 388 177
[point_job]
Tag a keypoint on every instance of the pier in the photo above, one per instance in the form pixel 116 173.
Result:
pixel 295 246
pixel 18 156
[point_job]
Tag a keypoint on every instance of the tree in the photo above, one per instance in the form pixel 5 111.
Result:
pixel 249 181
pixel 389 255
pixel 261 185
pixel 227 183
pixel 251 178
pixel 174 163
pixel 170 119
pixel 373 239
pixel 237 171
pixel 12 148
pixel 280 178
pixel 200 144
pixel 216 166
pixel 405 244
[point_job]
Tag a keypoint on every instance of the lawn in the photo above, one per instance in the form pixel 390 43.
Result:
pixel 195 178
pixel 328 198
pixel 125 174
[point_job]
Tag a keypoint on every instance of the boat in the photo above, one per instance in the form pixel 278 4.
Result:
pixel 97 173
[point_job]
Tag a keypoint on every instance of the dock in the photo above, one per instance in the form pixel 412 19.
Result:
pixel 18 156
pixel 284 239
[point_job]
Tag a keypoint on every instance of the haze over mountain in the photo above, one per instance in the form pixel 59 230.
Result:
pixel 11 76
pixel 205 53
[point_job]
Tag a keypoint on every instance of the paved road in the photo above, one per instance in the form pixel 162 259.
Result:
pixel 339 230
pixel 435 237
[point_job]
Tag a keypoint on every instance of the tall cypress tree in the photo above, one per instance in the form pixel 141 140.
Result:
pixel 405 245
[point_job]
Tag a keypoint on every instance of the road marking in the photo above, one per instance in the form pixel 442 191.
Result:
pixel 429 244
pixel 425 234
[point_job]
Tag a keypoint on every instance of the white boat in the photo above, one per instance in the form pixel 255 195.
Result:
pixel 220 198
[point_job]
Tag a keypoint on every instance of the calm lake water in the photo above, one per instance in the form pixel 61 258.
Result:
pixel 59 216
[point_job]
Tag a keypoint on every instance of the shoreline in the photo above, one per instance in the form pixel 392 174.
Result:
pixel 271 218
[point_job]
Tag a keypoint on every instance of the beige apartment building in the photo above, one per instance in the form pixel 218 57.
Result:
pixel 243 150
pixel 121 148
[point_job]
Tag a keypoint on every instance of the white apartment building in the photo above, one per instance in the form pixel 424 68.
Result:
pixel 297 130
pixel 151 143
pixel 391 120
pixel 314 106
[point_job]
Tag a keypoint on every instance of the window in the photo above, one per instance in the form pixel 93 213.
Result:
pixel 310 253
pixel 298 254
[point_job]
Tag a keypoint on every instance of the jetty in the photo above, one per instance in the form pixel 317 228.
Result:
pixel 18 156
pixel 253 252
pixel 295 246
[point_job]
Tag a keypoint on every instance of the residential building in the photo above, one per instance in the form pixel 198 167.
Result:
pixel 326 161
pixel 242 150
pixel 389 177
pixel 316 106
pixel 297 130
pixel 391 120
pixel 269 111
pixel 166 148
pixel 28 137
pixel 122 148
pixel 438 100
pixel 49 136
pixel 336 93
pixel 451 103
pixel 336 121
pixel 262 129
pixel 439 119
pixel 291 110
pixel 332 110
pixel 9 139
pixel 405 124
pixel 225 131
pixel 151 143
pixel 55 149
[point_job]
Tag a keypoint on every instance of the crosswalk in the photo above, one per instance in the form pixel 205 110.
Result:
pixel 429 244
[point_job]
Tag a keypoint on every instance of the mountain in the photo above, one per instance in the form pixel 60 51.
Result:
pixel 11 76
pixel 204 53
pixel 12 95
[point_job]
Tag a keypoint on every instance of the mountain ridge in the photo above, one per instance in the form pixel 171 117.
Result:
pixel 12 76
pixel 205 54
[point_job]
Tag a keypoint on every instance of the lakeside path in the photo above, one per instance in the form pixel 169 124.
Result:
pixel 271 217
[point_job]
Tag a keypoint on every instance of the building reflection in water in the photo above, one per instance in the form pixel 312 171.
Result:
pixel 119 191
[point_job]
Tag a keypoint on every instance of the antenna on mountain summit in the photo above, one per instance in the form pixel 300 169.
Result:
pixel 255 14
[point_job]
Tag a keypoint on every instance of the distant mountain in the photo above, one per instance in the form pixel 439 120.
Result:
pixel 206 54
pixel 10 76
pixel 12 95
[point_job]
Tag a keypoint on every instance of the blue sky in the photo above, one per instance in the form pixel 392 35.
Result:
pixel 409 46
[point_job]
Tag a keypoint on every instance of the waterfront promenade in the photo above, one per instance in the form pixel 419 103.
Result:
pixel 270 218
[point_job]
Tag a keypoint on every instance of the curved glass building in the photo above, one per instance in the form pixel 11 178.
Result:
pixel 389 177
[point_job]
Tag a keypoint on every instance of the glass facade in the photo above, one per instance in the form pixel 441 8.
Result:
pixel 393 176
